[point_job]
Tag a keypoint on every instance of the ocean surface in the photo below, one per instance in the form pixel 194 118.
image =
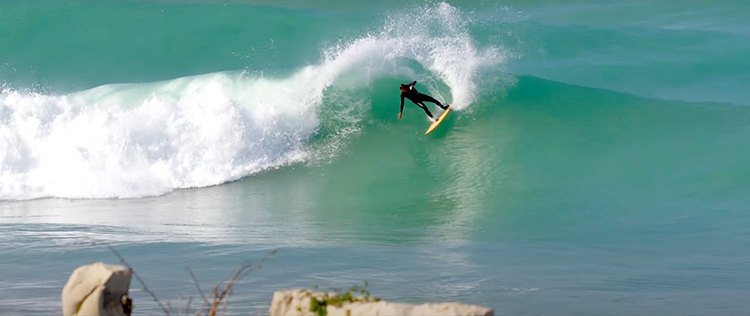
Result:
pixel 596 161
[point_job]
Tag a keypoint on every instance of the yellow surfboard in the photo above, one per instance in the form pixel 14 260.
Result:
pixel 440 119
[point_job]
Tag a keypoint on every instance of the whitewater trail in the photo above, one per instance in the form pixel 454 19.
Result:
pixel 135 140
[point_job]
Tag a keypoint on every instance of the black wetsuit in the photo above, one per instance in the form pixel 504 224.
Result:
pixel 418 98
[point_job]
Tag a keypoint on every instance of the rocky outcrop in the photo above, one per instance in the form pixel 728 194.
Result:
pixel 101 289
pixel 97 289
pixel 298 303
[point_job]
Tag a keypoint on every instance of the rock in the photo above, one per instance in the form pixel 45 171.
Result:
pixel 297 303
pixel 97 289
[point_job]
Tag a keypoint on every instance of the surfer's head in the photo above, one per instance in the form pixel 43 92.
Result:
pixel 403 88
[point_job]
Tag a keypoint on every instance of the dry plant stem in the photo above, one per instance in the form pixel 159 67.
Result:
pixel 197 285
pixel 145 288
pixel 187 309
pixel 241 272
pixel 218 297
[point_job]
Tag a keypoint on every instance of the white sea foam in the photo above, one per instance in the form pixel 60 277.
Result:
pixel 190 132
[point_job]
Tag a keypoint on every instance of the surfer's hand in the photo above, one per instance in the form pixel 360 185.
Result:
pixel 400 115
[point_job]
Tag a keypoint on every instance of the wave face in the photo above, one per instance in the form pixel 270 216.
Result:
pixel 135 140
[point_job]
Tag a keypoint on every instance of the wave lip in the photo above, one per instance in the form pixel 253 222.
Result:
pixel 436 37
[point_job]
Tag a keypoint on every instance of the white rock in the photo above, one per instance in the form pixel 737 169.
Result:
pixel 297 303
pixel 96 289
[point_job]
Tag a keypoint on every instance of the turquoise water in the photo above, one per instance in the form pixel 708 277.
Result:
pixel 595 163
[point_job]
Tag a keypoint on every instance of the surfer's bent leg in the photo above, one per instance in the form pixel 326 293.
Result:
pixel 424 107
pixel 431 99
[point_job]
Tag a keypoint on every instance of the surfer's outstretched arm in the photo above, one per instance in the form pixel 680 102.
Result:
pixel 402 107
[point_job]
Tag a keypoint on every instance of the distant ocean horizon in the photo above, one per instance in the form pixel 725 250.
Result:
pixel 594 161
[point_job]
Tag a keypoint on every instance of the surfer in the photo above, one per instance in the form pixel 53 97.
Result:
pixel 409 92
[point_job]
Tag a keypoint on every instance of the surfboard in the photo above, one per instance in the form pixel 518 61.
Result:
pixel 440 119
